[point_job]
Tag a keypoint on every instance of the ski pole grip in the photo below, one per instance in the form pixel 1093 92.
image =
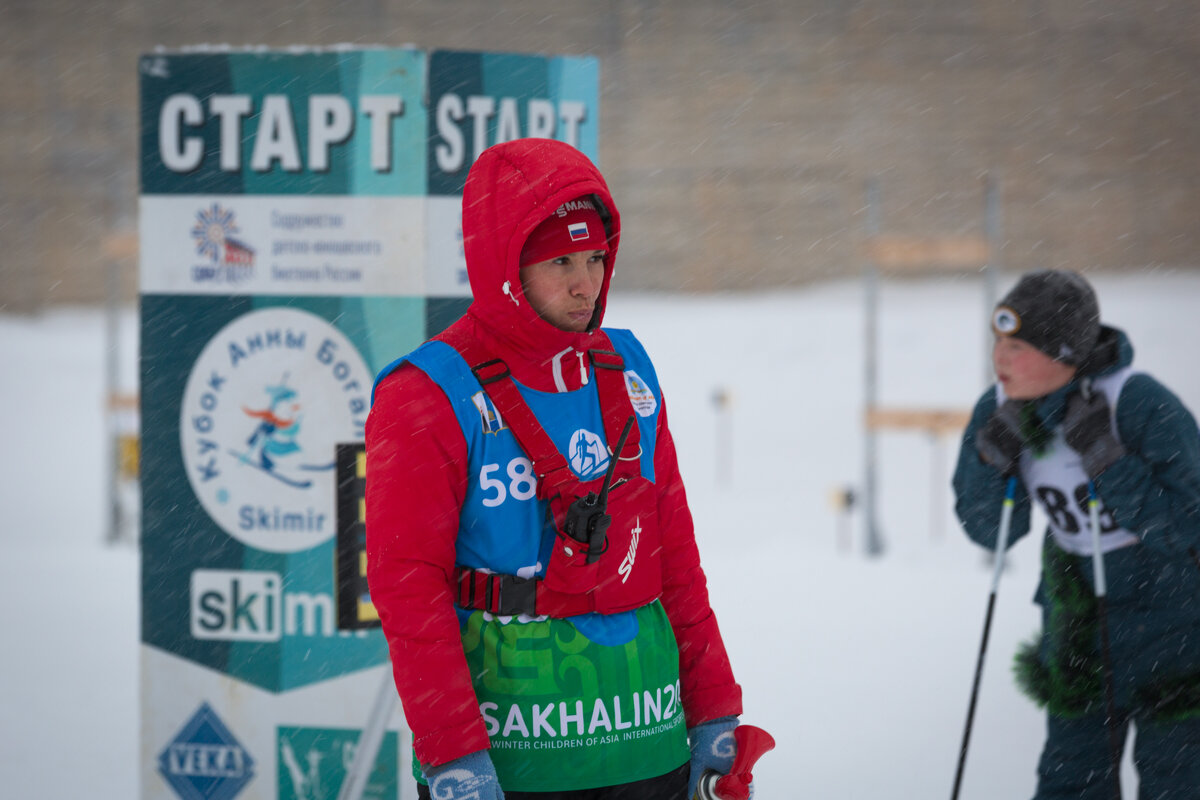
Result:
pixel 752 743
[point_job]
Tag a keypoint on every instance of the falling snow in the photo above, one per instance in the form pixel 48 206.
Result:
pixel 860 667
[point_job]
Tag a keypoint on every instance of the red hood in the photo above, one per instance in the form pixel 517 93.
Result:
pixel 510 189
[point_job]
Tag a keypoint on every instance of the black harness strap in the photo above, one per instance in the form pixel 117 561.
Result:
pixel 509 595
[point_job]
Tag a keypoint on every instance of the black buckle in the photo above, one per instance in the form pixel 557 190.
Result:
pixel 606 359
pixel 517 595
pixel 490 371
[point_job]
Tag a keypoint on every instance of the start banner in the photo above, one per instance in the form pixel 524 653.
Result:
pixel 299 229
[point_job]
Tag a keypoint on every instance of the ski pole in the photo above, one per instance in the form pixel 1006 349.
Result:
pixel 1101 590
pixel 1006 511
pixel 1114 739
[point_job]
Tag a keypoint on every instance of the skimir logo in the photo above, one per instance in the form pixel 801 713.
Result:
pixel 588 455
pixel 229 260
pixel 204 761
pixel 266 403
pixel 252 606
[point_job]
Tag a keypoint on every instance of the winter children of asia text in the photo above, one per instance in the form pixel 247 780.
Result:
pixel 1068 409
pixel 530 548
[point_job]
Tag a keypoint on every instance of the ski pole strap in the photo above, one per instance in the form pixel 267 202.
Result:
pixel 510 595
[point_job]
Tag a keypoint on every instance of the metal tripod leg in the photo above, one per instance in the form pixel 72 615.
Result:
pixel 368 744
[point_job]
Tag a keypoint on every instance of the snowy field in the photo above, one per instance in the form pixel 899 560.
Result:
pixel 861 667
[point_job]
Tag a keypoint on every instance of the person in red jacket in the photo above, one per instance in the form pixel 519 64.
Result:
pixel 529 544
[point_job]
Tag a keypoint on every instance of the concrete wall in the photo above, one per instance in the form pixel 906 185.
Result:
pixel 737 136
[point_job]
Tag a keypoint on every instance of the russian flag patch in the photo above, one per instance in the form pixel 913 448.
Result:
pixel 577 231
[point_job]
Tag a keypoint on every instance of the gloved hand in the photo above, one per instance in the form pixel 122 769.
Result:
pixel 999 441
pixel 1088 429
pixel 713 747
pixel 469 777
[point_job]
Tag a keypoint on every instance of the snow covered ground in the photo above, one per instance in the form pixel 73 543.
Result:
pixel 860 667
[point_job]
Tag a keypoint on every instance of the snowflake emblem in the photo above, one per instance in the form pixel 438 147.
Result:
pixel 213 227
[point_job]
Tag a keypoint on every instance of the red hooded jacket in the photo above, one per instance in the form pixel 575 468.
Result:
pixel 417 459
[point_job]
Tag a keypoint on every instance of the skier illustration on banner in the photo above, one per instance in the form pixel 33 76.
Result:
pixel 274 436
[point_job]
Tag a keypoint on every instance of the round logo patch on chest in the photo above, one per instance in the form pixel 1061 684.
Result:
pixel 643 400
pixel 587 454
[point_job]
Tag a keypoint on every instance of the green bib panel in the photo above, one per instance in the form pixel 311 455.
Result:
pixel 564 712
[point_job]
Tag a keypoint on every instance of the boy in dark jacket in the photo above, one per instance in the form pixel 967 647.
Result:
pixel 1068 412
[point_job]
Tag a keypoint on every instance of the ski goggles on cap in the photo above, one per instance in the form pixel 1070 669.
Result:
pixel 1005 321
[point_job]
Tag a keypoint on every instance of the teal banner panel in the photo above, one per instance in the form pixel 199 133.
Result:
pixel 479 99
pixel 245 400
pixel 342 122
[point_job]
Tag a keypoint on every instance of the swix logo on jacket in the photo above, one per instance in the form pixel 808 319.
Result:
pixel 627 564
pixel 503 526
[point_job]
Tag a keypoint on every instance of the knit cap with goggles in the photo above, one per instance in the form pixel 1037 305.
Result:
pixel 1055 311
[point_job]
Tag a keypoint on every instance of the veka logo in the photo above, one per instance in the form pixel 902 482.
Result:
pixel 204 761
pixel 249 606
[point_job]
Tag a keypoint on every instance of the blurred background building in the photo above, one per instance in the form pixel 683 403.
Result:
pixel 738 137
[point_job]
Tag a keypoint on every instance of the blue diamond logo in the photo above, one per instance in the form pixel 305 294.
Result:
pixel 204 761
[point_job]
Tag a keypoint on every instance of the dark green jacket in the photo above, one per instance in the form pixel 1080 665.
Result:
pixel 1153 594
